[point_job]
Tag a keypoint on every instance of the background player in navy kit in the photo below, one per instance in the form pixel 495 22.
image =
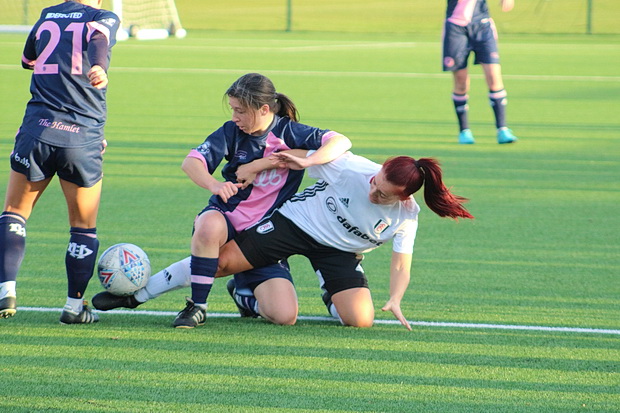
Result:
pixel 469 27
pixel 263 122
pixel 62 133
pixel 356 206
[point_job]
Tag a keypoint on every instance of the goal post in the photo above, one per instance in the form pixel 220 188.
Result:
pixel 142 19
pixel 149 19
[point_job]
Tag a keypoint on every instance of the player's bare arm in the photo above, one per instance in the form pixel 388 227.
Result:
pixel 247 173
pixel 197 172
pixel 400 274
pixel 330 150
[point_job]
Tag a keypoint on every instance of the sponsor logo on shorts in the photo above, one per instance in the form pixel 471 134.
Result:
pixel 23 161
pixel 448 61
pixel 265 228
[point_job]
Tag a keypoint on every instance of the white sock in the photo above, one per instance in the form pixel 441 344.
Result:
pixel 334 313
pixel 7 289
pixel 74 304
pixel 173 277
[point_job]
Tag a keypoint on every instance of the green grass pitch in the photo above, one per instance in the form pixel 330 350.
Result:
pixel 542 251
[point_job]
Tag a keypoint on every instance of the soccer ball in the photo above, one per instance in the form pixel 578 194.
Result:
pixel 123 269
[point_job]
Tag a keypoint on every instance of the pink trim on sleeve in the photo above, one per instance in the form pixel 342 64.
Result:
pixel 328 136
pixel 28 61
pixel 93 27
pixel 463 12
pixel 195 154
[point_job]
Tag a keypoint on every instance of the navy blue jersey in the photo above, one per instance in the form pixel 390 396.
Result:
pixel 463 12
pixel 270 188
pixel 65 110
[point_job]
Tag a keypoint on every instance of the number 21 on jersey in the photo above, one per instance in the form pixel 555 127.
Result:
pixel 43 68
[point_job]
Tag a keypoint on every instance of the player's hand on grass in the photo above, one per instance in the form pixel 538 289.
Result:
pixel 394 307
pixel 98 77
pixel 226 190
pixel 287 160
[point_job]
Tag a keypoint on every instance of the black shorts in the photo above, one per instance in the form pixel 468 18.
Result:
pixel 460 41
pixel 37 160
pixel 247 281
pixel 275 238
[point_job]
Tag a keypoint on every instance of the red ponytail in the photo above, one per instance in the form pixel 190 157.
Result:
pixel 411 174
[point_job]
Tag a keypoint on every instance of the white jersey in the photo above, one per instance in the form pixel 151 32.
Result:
pixel 337 212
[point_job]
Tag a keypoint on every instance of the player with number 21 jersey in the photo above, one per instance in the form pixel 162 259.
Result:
pixel 63 110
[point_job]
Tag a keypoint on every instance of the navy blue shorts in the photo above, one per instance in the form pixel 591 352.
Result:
pixel 38 161
pixel 247 281
pixel 460 41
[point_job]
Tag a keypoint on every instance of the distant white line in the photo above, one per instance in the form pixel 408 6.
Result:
pixel 389 322
pixel 189 70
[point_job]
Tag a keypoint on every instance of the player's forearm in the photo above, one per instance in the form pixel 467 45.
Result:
pixel 264 164
pixel 330 150
pixel 400 275
pixel 196 171
pixel 98 51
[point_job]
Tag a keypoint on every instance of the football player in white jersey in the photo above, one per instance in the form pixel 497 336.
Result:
pixel 356 206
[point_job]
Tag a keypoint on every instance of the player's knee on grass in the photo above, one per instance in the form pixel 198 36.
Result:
pixel 277 301
pixel 355 307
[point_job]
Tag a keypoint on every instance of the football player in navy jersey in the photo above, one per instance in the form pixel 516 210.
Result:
pixel 61 134
pixel 263 122
pixel 469 28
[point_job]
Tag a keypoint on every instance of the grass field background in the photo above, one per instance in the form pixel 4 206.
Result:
pixel 542 251
pixel 356 16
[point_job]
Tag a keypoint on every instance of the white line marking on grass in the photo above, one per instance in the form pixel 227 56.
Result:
pixel 388 322
pixel 189 70
pixel 362 74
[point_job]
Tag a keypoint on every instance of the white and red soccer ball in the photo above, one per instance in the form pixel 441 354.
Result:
pixel 123 269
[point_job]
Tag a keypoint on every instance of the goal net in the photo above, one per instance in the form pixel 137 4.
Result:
pixel 142 19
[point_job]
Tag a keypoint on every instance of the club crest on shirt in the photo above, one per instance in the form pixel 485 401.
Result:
pixel 330 203
pixel 108 22
pixel 204 148
pixel 241 155
pixel 265 228
pixel 381 226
